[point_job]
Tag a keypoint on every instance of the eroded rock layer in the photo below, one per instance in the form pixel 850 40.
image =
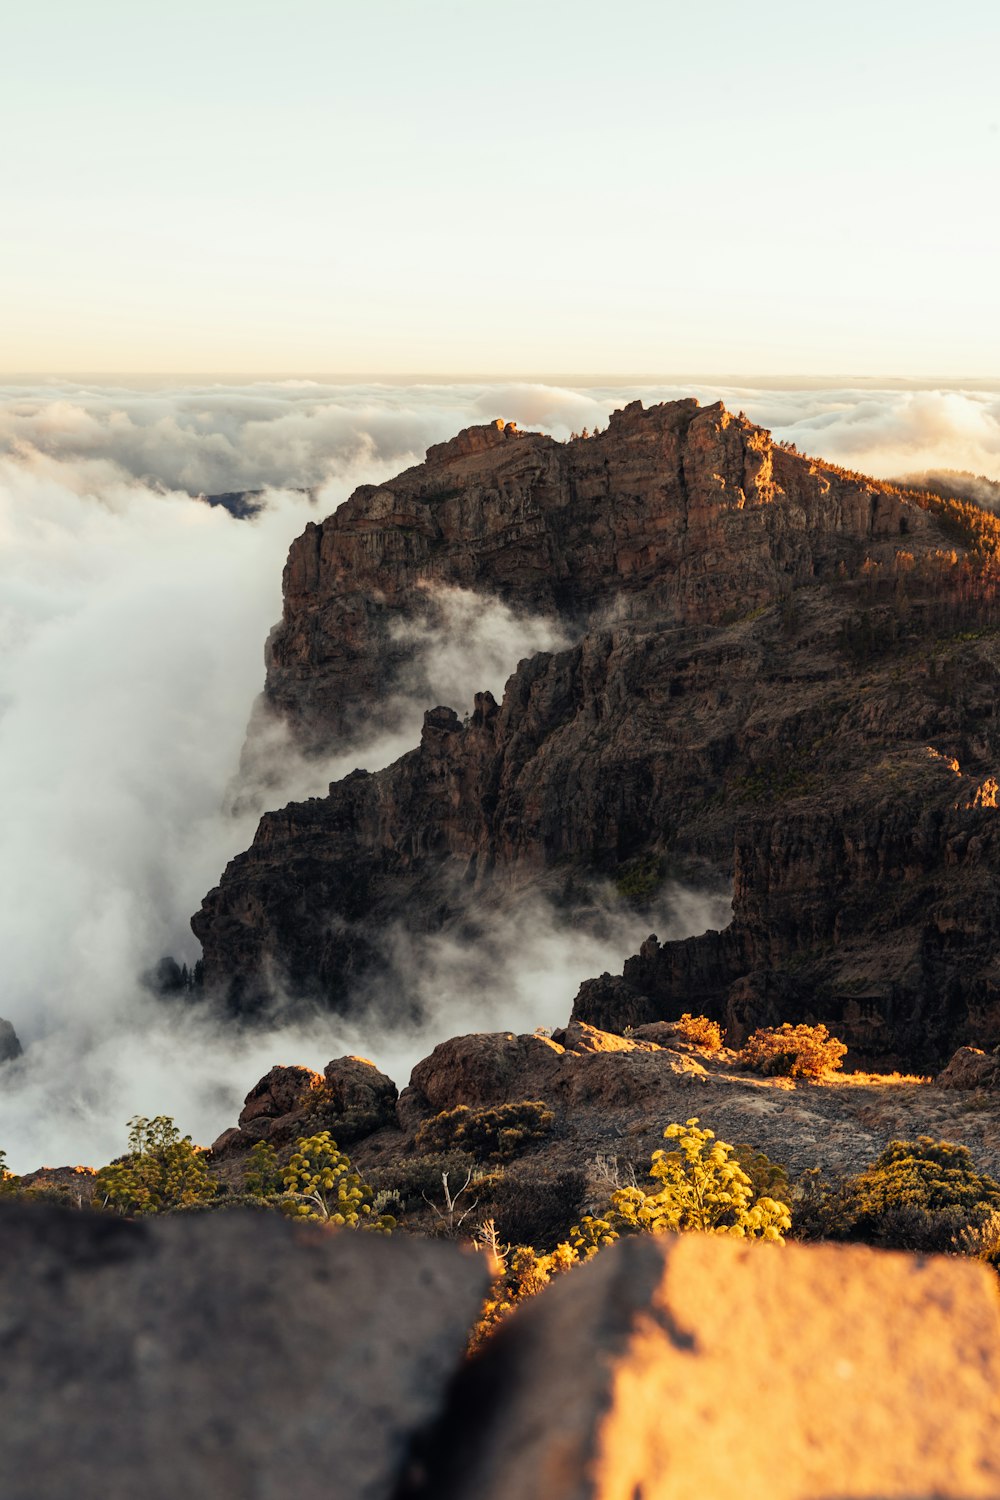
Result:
pixel 784 677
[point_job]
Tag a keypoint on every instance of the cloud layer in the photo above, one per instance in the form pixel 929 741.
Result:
pixel 132 623
pixel 211 439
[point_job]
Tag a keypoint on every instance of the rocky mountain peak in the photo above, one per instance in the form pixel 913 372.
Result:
pixel 764 650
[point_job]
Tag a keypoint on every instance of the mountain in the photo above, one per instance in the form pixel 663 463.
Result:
pixel 782 679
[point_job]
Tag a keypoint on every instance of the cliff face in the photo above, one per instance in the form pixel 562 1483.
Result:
pixel 771 682
pixel 676 514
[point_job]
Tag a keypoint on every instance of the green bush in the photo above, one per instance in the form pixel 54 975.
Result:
pixel 488 1134
pixel 321 1185
pixel 792 1051
pixel 161 1170
pixel 639 880
pixel 264 1177
pixel 921 1195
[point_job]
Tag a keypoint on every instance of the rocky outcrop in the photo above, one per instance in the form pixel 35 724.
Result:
pixel 350 1098
pixel 674 513
pixel 970 1068
pixel 688 1366
pixel 239 1355
pixel 10 1047
pixel 234 1355
pixel 769 688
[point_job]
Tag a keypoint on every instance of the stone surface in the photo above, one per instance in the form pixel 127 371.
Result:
pixel 970 1068
pixel 695 1367
pixel 349 1098
pixel 781 685
pixel 222 1356
pixel 10 1047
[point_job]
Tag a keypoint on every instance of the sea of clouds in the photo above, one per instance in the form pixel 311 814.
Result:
pixel 132 624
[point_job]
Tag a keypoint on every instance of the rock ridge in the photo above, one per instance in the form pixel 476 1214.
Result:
pixel 785 678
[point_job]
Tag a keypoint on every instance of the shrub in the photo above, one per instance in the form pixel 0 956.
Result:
pixel 699 1031
pixel 703 1187
pixel 640 879
pixel 415 1178
pixel 982 1241
pixel 792 1051
pixel 320 1185
pixel 161 1170
pixel 519 1273
pixel 537 1208
pixel 921 1195
pixel 264 1177
pixel 767 1178
pixel 917 1195
pixel 491 1134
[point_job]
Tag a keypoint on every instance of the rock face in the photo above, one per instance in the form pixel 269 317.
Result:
pixel 671 513
pixel 689 1366
pixel 234 1355
pixel 10 1047
pixel 970 1068
pixel 781 681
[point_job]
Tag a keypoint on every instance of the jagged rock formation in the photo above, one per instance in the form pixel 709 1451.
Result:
pixel 239 1355
pixel 782 679
pixel 672 514
pixel 10 1047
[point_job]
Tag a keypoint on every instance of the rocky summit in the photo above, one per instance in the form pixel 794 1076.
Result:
pixel 782 681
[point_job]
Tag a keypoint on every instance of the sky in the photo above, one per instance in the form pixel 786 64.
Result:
pixel 447 188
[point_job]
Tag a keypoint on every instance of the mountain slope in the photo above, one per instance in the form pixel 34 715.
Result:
pixel 784 677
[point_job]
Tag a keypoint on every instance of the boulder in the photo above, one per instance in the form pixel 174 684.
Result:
pixel 220 1356
pixel 282 1091
pixel 970 1068
pixel 355 1086
pixel 698 1367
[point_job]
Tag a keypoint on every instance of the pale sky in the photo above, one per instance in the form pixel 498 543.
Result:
pixel 387 186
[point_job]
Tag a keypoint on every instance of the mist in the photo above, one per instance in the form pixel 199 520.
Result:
pixel 132 624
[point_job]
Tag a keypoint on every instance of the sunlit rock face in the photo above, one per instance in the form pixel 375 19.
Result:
pixel 782 678
pixel 879 1370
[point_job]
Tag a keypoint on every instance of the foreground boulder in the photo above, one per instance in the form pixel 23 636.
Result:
pixel 695 1367
pixel 222 1356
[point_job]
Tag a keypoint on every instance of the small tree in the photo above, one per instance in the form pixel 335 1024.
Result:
pixel 703 1187
pixel 162 1169
pixel 321 1185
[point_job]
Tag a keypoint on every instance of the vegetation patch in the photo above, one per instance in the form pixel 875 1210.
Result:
pixel 487 1134
pixel 699 1031
pixel 788 1051
pixel 639 879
